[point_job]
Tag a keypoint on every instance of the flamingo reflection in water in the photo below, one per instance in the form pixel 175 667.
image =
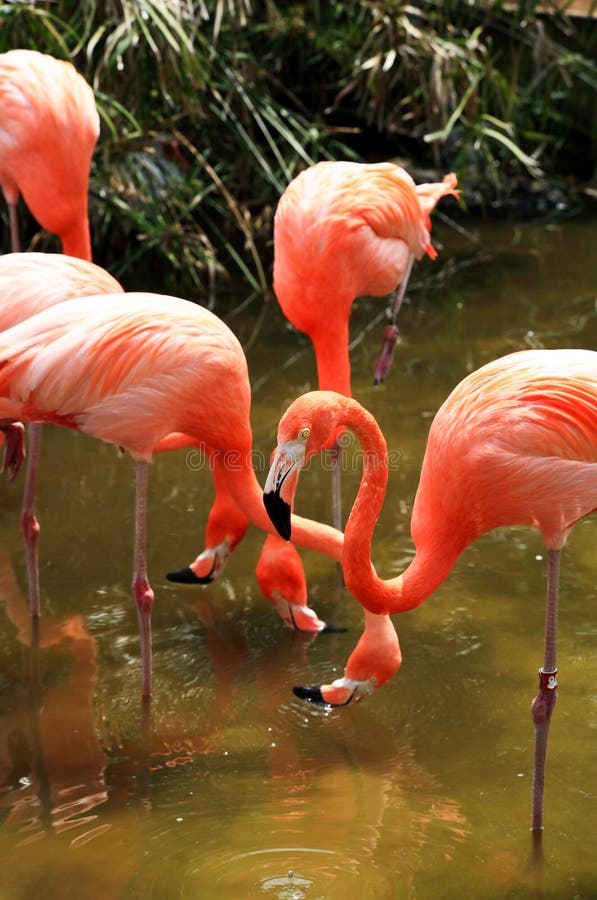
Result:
pixel 67 776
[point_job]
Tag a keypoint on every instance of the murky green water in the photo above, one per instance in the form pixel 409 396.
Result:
pixel 231 787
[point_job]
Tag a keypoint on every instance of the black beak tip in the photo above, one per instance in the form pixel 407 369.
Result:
pixel 279 512
pixel 311 694
pixel 187 576
pixel 328 628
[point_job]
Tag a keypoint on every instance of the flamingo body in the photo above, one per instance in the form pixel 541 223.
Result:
pixel 32 282
pixel 29 283
pixel 49 127
pixel 514 444
pixel 89 366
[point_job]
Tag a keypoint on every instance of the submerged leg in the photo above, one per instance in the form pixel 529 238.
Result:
pixel 544 702
pixel 29 522
pixel 142 591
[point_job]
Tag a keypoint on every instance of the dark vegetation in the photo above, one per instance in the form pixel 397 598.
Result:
pixel 209 107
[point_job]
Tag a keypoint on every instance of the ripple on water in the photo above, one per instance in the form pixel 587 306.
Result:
pixel 287 873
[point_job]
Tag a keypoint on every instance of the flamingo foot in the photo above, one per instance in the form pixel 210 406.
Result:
pixel 14 449
pixel 384 361
pixel 340 692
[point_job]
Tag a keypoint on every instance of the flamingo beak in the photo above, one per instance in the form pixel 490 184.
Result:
pixel 340 692
pixel 280 485
pixel 208 566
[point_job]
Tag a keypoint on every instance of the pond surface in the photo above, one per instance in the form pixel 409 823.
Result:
pixel 231 787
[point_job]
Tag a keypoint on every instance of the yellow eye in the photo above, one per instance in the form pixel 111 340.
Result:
pixel 304 434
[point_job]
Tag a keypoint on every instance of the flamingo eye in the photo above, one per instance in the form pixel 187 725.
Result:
pixel 304 433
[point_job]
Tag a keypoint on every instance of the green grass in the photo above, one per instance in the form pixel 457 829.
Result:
pixel 209 108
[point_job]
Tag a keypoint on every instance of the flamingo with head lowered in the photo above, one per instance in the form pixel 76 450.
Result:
pixel 132 369
pixel 515 443
pixel 32 282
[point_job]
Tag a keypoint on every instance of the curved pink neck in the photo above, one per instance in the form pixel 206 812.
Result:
pixel 429 567
pixel 248 495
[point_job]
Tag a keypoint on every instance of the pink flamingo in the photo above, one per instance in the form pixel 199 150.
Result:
pixel 49 127
pixel 31 282
pixel 344 230
pixel 131 370
pixel 515 443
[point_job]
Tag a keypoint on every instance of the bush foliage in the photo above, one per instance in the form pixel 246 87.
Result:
pixel 209 107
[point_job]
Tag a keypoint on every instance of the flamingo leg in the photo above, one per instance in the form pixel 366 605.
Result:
pixel 391 333
pixel 29 521
pixel 14 227
pixel 142 591
pixel 336 455
pixel 14 448
pixel 544 702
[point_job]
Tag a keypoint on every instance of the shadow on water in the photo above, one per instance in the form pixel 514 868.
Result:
pixel 228 786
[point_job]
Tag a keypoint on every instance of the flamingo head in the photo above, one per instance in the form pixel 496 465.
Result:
pixel 374 661
pixel 309 425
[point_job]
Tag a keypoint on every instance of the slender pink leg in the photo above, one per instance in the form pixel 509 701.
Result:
pixel 29 522
pixel 142 591
pixel 336 455
pixel 544 702
pixel 390 333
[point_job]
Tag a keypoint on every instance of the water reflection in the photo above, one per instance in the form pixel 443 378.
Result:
pixel 52 758
pixel 351 803
pixel 70 775
pixel 52 764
